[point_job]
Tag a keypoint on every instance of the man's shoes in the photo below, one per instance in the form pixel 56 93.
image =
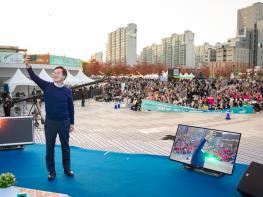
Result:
pixel 51 176
pixel 69 173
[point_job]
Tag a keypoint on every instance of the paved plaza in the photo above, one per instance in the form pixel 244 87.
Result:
pixel 99 126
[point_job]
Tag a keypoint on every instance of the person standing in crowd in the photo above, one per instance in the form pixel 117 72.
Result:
pixel 7 104
pixel 83 96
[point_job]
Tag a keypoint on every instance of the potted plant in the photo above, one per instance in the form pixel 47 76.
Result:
pixel 7 182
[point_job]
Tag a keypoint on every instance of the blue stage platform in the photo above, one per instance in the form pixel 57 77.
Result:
pixel 115 174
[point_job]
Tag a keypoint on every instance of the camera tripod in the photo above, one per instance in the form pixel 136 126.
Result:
pixel 35 111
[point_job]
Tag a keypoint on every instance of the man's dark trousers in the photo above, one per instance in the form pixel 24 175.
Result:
pixel 52 128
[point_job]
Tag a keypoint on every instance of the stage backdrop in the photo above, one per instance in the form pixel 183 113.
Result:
pixel 165 107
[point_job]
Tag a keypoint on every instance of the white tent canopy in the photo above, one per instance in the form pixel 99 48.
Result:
pixel 82 78
pixel 181 76
pixel 43 75
pixel 136 76
pixel 18 79
pixel 164 76
pixel 151 76
pixel 165 73
pixel 191 75
pixel 71 80
pixel 186 76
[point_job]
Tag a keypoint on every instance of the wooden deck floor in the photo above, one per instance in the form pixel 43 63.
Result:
pixel 99 126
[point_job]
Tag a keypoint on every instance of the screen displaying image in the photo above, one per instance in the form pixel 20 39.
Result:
pixel 176 71
pixel 16 131
pixel 206 148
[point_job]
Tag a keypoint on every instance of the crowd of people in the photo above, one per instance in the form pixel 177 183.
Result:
pixel 207 94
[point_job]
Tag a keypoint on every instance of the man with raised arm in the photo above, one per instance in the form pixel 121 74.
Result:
pixel 59 116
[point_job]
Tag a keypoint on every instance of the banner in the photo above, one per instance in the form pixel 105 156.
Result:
pixel 11 58
pixel 65 61
pixel 165 107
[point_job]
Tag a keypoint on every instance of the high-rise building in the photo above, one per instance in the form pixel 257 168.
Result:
pixel 209 55
pixel 249 20
pixel 146 55
pixel 97 56
pixel 204 53
pixel 122 45
pixel 189 48
pixel 151 54
pixel 260 43
pixel 178 49
pixel 167 52
pixel 234 52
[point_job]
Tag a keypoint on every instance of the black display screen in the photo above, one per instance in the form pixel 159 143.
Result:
pixel 16 130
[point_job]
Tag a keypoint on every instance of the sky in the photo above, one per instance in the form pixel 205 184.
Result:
pixel 79 28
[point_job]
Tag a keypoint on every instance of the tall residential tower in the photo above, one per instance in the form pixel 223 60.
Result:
pixel 122 46
pixel 250 20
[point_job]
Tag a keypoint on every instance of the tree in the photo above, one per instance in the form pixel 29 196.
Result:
pixel 93 67
pixel 205 70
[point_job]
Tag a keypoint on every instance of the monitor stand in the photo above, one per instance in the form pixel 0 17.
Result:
pixel 202 170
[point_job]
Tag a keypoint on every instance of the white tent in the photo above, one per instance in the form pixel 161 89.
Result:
pixel 71 80
pixel 18 79
pixel 164 76
pixel 151 76
pixel 136 76
pixel 191 75
pixel 43 75
pixel 186 75
pixel 181 76
pixel 82 78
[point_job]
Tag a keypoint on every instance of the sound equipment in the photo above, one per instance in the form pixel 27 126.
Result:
pixel 251 182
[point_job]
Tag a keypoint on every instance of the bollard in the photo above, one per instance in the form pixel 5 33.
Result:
pixel 228 115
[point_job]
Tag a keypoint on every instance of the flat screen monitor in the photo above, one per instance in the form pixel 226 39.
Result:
pixel 176 72
pixel 206 148
pixel 16 131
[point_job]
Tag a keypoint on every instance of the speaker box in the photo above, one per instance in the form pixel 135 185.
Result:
pixel 251 182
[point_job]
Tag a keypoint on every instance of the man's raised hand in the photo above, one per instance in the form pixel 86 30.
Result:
pixel 26 61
